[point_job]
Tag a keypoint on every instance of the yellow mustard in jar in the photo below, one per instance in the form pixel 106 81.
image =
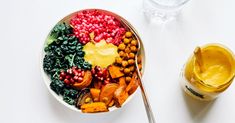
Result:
pixel 209 71
pixel 100 54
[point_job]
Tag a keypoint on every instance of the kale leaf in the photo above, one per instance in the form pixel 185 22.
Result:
pixel 57 86
pixel 59 32
pixel 70 95
pixel 64 51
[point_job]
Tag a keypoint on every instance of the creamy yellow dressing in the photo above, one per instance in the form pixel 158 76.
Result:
pixel 217 67
pixel 100 54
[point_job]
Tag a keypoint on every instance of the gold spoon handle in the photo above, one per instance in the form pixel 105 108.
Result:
pixel 148 108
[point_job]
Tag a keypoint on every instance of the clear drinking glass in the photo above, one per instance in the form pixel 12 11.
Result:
pixel 163 10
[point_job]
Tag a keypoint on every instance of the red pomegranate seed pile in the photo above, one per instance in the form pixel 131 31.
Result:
pixel 72 75
pixel 101 74
pixel 104 27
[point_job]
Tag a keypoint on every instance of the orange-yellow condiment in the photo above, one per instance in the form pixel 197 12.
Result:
pixel 100 54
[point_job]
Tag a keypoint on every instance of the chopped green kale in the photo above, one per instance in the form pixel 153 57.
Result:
pixel 63 51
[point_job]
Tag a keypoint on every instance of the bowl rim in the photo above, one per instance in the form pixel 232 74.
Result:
pixel 47 80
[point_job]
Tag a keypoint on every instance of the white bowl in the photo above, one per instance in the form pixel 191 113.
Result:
pixel 66 19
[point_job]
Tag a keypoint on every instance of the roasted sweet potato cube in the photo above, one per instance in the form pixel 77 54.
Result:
pixel 115 71
pixel 107 92
pixel 120 96
pixel 133 85
pixel 95 93
pixel 86 81
pixel 122 81
pixel 94 107
pixel 111 103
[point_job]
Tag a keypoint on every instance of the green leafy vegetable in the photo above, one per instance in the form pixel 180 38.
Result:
pixel 58 32
pixel 63 51
pixel 57 86
pixel 70 95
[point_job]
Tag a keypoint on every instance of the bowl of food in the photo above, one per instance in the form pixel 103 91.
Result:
pixel 88 61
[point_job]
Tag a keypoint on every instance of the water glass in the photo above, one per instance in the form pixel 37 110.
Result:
pixel 163 10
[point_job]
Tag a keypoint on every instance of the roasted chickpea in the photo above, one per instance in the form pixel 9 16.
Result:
pixel 88 99
pixel 121 69
pixel 128 79
pixel 131 55
pixel 126 41
pixel 125 56
pixel 134 42
pixel 132 68
pixel 131 61
pixel 121 53
pixel 124 63
pixel 140 66
pixel 128 34
pixel 127 70
pixel 127 50
pixel 118 60
pixel 133 49
pixel 122 46
pixel 139 59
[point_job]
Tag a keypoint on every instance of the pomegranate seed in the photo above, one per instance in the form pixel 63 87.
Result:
pixel 72 81
pixel 86 22
pixel 75 78
pixel 69 71
pixel 79 74
pixel 62 74
pixel 75 72
pixel 68 77
pixel 80 79
pixel 93 71
pixel 74 67
pixel 100 73
pixel 66 81
pixel 61 78
pixel 79 70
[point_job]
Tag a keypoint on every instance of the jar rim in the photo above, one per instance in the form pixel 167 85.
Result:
pixel 231 59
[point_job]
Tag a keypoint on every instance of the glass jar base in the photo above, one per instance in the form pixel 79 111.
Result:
pixel 194 92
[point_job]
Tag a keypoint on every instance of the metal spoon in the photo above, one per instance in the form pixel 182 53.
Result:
pixel 148 109
pixel 144 96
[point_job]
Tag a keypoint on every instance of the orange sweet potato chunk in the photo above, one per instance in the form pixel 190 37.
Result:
pixel 107 92
pixel 115 71
pixel 86 81
pixel 111 103
pixel 120 96
pixel 122 81
pixel 94 107
pixel 95 93
pixel 133 85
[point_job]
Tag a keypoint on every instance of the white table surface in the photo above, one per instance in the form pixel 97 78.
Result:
pixel 24 25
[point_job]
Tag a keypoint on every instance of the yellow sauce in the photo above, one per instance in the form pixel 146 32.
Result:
pixel 209 73
pixel 100 54
pixel 217 67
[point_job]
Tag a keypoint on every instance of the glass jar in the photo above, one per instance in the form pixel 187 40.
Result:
pixel 218 73
pixel 163 10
